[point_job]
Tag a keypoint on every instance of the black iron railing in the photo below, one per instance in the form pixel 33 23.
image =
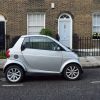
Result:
pixel 83 46
pixel 86 46
pixel 9 42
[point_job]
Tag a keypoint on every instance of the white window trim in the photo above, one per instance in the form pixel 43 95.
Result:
pixel 92 21
pixel 36 13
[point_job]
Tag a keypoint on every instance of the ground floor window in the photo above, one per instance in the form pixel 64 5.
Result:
pixel 35 22
pixel 96 25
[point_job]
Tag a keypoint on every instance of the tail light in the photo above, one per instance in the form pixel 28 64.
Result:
pixel 8 53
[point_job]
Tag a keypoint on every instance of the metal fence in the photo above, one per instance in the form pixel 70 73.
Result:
pixel 86 46
pixel 83 46
pixel 9 42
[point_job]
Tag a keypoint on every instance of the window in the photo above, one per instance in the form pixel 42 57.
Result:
pixel 96 25
pixel 26 43
pixel 35 22
pixel 64 17
pixel 42 43
pixel 96 1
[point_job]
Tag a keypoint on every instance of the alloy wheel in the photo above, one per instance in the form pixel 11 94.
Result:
pixel 72 72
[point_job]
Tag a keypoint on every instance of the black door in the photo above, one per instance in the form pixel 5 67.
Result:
pixel 2 35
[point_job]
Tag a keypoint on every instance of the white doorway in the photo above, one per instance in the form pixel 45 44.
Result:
pixel 65 29
pixel 2 32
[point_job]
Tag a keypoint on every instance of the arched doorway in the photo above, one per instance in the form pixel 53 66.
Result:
pixel 65 29
pixel 2 32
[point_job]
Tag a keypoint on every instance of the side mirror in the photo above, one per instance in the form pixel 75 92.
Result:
pixel 58 48
pixel 22 47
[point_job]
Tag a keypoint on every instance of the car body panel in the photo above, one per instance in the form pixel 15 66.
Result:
pixel 43 59
pixel 69 62
pixel 10 61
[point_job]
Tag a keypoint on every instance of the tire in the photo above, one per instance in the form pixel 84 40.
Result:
pixel 72 72
pixel 14 74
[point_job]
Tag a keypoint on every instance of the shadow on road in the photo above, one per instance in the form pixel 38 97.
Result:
pixel 31 78
pixel 1 74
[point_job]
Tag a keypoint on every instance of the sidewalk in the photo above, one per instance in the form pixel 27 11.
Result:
pixel 90 61
pixel 86 62
pixel 2 62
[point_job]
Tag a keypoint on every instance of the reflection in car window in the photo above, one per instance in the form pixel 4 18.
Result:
pixel 42 43
pixel 26 42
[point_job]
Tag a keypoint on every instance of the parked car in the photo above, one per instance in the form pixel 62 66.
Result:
pixel 40 54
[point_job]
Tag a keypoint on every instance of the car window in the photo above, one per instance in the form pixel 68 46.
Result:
pixel 26 43
pixel 42 43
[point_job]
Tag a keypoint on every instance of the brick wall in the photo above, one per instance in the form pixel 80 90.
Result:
pixel 15 12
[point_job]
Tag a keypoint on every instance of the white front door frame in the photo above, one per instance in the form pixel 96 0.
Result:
pixel 2 19
pixel 71 26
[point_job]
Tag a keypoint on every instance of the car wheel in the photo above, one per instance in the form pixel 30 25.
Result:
pixel 72 72
pixel 14 74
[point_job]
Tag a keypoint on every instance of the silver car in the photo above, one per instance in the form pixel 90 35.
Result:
pixel 40 54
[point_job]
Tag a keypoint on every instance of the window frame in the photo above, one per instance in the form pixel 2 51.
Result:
pixel 95 35
pixel 35 13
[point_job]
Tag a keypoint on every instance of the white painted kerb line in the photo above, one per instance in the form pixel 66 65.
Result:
pixel 95 82
pixel 13 85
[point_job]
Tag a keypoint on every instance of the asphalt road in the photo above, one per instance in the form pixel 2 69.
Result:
pixel 53 88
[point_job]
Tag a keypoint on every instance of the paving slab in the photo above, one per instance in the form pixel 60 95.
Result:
pixel 90 61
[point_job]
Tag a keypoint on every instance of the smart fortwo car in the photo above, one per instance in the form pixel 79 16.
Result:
pixel 40 54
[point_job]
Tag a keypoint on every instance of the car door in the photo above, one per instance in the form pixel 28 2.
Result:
pixel 41 54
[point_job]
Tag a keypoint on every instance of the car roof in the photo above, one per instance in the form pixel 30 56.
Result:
pixel 33 35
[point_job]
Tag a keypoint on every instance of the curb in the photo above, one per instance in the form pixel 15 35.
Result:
pixel 90 67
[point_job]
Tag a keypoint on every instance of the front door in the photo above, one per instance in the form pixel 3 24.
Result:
pixel 65 30
pixel 2 35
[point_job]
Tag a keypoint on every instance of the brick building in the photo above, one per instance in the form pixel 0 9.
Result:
pixel 67 18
